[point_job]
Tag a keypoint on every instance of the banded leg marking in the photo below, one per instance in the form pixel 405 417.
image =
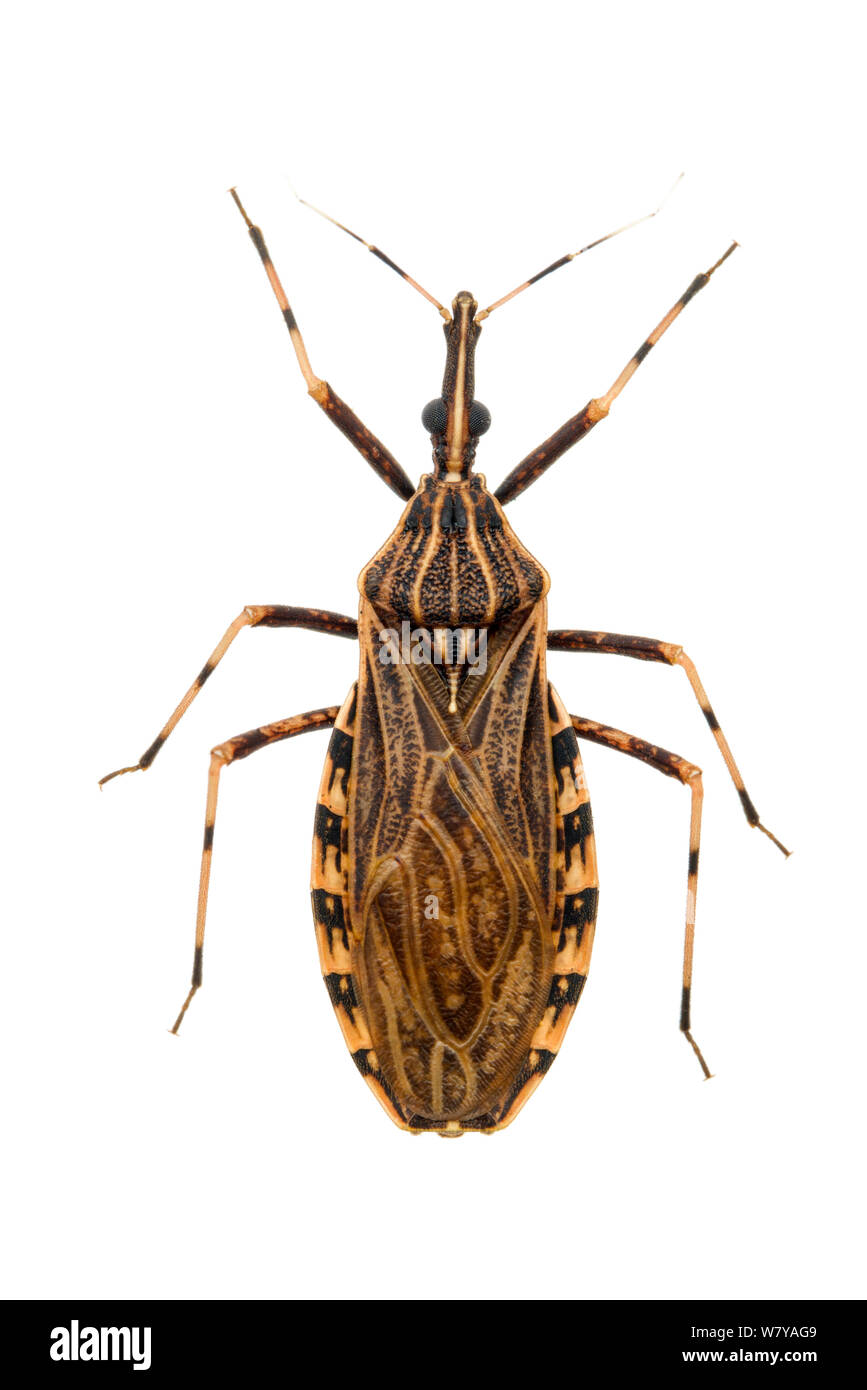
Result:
pixel 254 615
pixel 371 449
pixel 535 464
pixel 687 773
pixel 230 752
pixel 649 649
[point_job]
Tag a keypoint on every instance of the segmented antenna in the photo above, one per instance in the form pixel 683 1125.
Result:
pixel 380 255
pixel 564 260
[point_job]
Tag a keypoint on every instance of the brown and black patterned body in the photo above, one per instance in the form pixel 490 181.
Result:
pixel 454 878
pixel 454 870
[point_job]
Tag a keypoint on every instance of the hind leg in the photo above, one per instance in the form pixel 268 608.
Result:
pixel 229 752
pixel 690 776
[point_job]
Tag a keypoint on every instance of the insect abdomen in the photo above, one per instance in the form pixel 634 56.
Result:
pixel 476 1072
pixel 456 955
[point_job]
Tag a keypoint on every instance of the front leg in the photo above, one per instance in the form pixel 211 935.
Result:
pixel 254 615
pixel 535 464
pixel 649 649
pixel 380 459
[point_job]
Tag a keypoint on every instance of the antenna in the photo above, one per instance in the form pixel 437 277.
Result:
pixel 564 260
pixel 380 255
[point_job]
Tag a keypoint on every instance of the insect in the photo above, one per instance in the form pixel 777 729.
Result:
pixel 454 881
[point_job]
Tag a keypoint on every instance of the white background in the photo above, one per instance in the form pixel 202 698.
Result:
pixel 163 468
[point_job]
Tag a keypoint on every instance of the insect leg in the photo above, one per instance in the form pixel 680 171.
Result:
pixel 254 615
pixel 535 464
pixel 672 766
pixel 380 459
pixel 229 752
pixel 649 649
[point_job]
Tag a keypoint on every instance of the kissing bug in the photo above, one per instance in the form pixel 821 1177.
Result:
pixel 454 881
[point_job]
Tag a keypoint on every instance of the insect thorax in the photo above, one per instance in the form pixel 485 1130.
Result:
pixel 453 560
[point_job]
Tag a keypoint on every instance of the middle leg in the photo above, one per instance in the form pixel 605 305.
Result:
pixel 649 649
pixel 254 615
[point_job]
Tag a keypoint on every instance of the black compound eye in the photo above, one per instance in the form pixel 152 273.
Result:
pixel 435 416
pixel 480 419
